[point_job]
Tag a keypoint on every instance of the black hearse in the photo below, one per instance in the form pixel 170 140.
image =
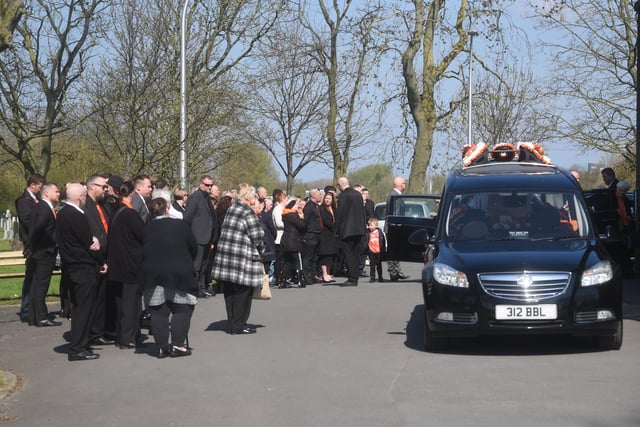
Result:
pixel 514 251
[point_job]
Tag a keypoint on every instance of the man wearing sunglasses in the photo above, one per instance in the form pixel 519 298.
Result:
pixel 98 219
pixel 203 221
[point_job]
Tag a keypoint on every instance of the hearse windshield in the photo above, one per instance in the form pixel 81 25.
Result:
pixel 503 215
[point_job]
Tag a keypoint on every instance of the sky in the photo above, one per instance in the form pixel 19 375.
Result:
pixel 562 155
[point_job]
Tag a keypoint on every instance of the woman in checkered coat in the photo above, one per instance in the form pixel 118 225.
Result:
pixel 237 265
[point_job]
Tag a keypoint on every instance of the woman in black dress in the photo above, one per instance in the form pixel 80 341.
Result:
pixel 328 242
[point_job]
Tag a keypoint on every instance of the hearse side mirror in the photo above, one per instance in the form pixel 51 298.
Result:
pixel 421 237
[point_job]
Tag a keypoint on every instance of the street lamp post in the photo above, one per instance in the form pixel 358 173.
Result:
pixel 472 34
pixel 183 97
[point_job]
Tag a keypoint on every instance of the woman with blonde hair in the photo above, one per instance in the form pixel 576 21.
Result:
pixel 237 265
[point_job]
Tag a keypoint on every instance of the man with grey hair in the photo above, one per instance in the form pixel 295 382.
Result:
pixel 81 258
pixel 311 237
pixel 399 184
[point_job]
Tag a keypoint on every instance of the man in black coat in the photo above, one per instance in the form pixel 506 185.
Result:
pixel 399 184
pixel 311 238
pixel 350 224
pixel 24 207
pixel 81 260
pixel 98 219
pixel 201 217
pixel 41 248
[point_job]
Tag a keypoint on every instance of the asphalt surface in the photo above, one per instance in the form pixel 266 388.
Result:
pixel 323 355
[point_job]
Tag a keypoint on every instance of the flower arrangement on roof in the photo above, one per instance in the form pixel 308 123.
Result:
pixel 477 154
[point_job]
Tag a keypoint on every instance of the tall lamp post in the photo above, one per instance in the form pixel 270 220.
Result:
pixel 472 34
pixel 183 96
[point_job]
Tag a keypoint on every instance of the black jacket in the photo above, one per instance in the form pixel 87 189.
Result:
pixel 125 246
pixel 293 231
pixel 74 238
pixel 24 207
pixel 41 242
pixel 169 250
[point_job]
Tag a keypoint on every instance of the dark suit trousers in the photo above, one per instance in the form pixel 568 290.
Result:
pixel 83 287
pixel 43 268
pixel 201 265
pixel 237 299
pixel 98 319
pixel 26 284
pixel 128 304
pixel 352 247
pixel 309 255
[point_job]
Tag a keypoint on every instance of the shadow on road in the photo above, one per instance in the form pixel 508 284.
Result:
pixel 501 345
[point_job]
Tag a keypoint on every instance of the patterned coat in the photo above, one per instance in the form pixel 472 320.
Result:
pixel 239 251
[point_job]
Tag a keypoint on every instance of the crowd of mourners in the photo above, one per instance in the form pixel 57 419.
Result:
pixel 135 253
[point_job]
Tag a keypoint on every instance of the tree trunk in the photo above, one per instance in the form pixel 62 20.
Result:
pixel 10 13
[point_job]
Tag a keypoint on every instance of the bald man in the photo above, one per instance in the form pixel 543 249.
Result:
pixel 81 258
pixel 393 267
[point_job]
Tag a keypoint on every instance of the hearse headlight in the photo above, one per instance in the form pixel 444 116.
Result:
pixel 600 273
pixel 446 275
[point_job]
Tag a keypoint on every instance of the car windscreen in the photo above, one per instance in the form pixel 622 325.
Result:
pixel 504 215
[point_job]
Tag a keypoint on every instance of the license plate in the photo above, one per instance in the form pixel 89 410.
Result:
pixel 526 312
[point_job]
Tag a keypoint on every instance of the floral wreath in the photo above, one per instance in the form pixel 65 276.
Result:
pixel 473 154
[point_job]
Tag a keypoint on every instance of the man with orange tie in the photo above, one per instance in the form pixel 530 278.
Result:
pixel 96 214
pixel 41 248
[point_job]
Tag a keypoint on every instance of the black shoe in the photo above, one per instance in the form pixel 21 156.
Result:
pixel 165 352
pixel 83 355
pixel 203 294
pixel 126 346
pixel 403 276
pixel 373 279
pixel 176 352
pixel 393 278
pixel 381 280
pixel 48 323
pixel 349 283
pixel 101 341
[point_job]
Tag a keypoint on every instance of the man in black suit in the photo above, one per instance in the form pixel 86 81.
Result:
pixel 81 260
pixel 399 184
pixel 350 226
pixel 143 189
pixel 41 248
pixel 202 219
pixel 24 207
pixel 96 215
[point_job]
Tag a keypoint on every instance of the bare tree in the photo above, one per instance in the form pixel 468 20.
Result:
pixel 10 13
pixel 289 103
pixel 345 51
pixel 595 75
pixel 508 106
pixel 436 38
pixel 135 108
pixel 52 49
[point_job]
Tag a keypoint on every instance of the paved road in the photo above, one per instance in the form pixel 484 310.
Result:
pixel 326 356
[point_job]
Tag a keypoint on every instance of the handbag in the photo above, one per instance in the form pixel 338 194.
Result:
pixel 263 292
